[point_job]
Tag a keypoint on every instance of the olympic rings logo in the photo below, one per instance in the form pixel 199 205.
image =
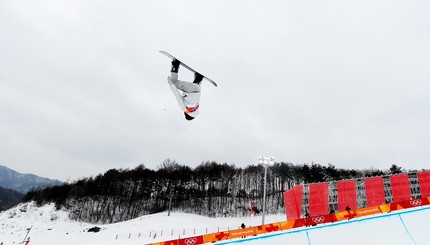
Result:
pixel 416 202
pixel 319 219
pixel 190 241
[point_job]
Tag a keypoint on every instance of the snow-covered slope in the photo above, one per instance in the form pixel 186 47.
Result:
pixel 406 227
pixel 54 227
pixel 50 226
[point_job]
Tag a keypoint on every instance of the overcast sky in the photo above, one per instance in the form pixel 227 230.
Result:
pixel 83 88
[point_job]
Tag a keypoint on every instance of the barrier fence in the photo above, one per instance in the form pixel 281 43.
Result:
pixel 318 198
pixel 292 224
pixel 171 233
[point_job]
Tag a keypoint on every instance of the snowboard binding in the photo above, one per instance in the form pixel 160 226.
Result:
pixel 175 66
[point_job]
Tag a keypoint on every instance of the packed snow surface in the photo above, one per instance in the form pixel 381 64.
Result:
pixel 51 226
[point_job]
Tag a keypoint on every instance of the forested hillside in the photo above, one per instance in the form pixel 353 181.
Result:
pixel 210 189
pixel 9 198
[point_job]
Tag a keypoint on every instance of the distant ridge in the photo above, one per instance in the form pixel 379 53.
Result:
pixel 11 179
pixel 9 198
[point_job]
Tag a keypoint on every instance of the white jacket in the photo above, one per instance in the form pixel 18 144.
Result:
pixel 190 97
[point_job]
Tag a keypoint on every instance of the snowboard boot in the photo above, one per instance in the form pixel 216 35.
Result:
pixel 175 66
pixel 198 78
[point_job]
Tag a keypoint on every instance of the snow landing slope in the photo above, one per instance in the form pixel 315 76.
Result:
pixel 406 227
pixel 54 227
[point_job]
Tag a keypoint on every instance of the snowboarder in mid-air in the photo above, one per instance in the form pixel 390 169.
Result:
pixel 190 98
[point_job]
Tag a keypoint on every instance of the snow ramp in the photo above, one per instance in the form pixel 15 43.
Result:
pixel 400 227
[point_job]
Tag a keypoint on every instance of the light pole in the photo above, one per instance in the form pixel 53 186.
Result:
pixel 170 203
pixel 266 162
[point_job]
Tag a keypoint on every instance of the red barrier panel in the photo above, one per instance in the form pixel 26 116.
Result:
pixel 385 208
pixel 293 202
pixel 346 194
pixel 333 217
pixel 350 214
pixel 395 206
pixel 267 228
pixel 242 232
pixel 299 223
pixel 404 204
pixel 400 187
pixel 415 203
pixel 318 199
pixel 215 237
pixel 374 191
pixel 171 242
pixel 424 180
pixel 191 240
pixel 286 225
pixel 316 220
pixel 367 211
pixel 345 215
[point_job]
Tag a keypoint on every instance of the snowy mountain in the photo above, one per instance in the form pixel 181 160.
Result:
pixel 11 179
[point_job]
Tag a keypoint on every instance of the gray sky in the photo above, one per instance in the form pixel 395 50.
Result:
pixel 83 88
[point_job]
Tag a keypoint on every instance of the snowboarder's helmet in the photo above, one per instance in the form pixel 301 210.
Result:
pixel 188 117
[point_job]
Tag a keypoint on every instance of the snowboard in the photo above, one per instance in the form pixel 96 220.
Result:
pixel 187 67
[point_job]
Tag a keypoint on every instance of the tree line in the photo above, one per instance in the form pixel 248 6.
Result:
pixel 210 189
pixel 9 198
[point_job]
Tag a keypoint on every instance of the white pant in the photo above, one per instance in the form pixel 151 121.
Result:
pixel 187 87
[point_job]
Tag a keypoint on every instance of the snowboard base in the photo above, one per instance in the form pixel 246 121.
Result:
pixel 188 67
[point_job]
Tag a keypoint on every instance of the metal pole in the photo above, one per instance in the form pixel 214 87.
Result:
pixel 28 231
pixel 266 162
pixel 264 194
pixel 170 204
